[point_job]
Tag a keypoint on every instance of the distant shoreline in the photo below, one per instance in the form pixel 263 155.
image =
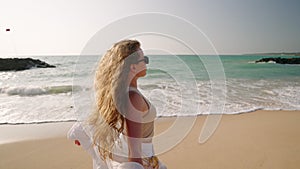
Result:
pixel 275 54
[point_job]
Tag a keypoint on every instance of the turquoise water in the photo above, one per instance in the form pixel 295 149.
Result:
pixel 236 66
pixel 181 85
pixel 243 67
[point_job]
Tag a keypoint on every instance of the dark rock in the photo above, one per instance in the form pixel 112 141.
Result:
pixel 280 60
pixel 17 64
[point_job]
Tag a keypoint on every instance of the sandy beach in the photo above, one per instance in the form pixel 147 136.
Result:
pixel 261 139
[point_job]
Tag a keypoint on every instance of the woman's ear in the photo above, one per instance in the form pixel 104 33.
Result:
pixel 132 68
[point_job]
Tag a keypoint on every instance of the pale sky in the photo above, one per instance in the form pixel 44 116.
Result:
pixel 63 27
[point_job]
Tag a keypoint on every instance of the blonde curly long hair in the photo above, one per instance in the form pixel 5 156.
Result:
pixel 111 91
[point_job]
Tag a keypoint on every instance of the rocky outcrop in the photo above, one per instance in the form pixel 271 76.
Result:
pixel 17 64
pixel 280 60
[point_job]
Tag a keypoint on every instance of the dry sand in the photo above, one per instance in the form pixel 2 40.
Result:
pixel 261 139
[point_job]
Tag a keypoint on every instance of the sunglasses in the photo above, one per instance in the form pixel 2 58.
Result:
pixel 146 60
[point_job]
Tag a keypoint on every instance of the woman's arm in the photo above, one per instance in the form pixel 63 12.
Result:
pixel 134 126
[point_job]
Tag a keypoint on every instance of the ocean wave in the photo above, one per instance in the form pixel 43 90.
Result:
pixel 37 90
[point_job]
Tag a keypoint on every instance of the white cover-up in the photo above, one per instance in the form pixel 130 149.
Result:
pixel 77 132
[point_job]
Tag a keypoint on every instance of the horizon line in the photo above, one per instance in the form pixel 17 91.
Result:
pixel 70 54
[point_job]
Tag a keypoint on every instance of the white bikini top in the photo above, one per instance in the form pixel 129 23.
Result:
pixel 148 117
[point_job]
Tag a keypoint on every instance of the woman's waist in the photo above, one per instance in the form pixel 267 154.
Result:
pixel 121 146
pixel 120 152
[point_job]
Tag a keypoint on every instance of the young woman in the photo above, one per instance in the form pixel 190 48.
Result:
pixel 123 121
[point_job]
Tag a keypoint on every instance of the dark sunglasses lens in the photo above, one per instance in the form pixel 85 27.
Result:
pixel 146 60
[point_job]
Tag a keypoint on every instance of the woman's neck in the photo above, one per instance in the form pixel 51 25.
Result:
pixel 133 83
